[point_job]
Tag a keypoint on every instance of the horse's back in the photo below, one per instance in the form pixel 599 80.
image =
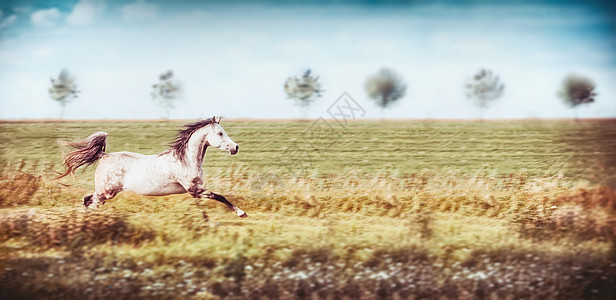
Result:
pixel 115 162
pixel 128 155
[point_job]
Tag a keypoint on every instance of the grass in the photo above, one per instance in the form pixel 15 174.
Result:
pixel 509 209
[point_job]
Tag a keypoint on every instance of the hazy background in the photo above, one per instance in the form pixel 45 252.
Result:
pixel 232 57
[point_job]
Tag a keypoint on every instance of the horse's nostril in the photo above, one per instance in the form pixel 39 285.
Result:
pixel 237 148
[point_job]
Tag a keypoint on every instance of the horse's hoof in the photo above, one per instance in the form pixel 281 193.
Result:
pixel 241 214
pixel 87 200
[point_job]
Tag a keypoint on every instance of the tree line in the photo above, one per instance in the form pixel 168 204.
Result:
pixel 385 88
pixel 164 92
pixel 481 89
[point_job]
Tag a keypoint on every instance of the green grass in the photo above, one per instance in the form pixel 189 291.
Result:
pixel 425 209
pixel 537 148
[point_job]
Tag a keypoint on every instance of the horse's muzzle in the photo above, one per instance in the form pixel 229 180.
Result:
pixel 235 150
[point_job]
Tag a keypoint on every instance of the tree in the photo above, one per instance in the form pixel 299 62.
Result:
pixel 304 90
pixel 385 87
pixel 63 89
pixel 577 90
pixel 165 92
pixel 483 88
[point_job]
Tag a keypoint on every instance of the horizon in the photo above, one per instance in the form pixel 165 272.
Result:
pixel 305 120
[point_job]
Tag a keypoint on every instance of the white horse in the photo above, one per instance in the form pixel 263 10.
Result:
pixel 174 171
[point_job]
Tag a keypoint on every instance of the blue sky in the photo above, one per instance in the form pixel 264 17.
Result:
pixel 232 57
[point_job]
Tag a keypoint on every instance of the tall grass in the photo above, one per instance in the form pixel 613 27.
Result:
pixel 405 237
pixel 376 231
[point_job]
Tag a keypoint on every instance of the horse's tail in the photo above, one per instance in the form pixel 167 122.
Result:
pixel 87 152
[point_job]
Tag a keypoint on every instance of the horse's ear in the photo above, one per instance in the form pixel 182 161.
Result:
pixel 219 118
pixel 214 120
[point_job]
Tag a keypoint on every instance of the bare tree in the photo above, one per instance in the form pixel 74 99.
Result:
pixel 63 89
pixel 304 90
pixel 483 88
pixel 577 90
pixel 385 87
pixel 165 92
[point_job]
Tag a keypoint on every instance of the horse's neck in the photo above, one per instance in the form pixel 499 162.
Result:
pixel 195 151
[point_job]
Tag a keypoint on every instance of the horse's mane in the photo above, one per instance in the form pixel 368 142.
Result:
pixel 179 145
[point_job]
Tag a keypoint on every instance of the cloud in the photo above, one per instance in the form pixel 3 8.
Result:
pixel 43 52
pixel 193 17
pixel 8 21
pixel 85 12
pixel 467 45
pixel 45 17
pixel 140 11
pixel 295 48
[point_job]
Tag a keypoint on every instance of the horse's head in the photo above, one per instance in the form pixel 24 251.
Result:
pixel 218 138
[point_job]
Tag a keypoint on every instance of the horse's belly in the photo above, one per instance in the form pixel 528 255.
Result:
pixel 156 190
pixel 151 182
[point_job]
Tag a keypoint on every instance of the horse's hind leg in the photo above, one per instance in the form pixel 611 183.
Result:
pixel 95 199
pixel 87 200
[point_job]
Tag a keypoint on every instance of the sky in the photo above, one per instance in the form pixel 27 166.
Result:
pixel 231 58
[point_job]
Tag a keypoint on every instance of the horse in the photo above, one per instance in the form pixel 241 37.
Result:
pixel 176 170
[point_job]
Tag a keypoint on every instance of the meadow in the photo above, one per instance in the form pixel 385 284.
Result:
pixel 386 210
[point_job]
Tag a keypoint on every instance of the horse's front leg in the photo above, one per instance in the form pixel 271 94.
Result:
pixel 240 213
pixel 200 192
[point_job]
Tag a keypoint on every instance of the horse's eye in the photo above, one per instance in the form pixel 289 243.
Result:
pixel 220 133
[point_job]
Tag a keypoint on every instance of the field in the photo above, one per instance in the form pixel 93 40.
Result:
pixel 393 210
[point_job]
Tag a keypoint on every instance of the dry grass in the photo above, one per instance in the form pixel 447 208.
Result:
pixel 415 237
pixel 71 229
pixel 431 233
pixel 17 186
